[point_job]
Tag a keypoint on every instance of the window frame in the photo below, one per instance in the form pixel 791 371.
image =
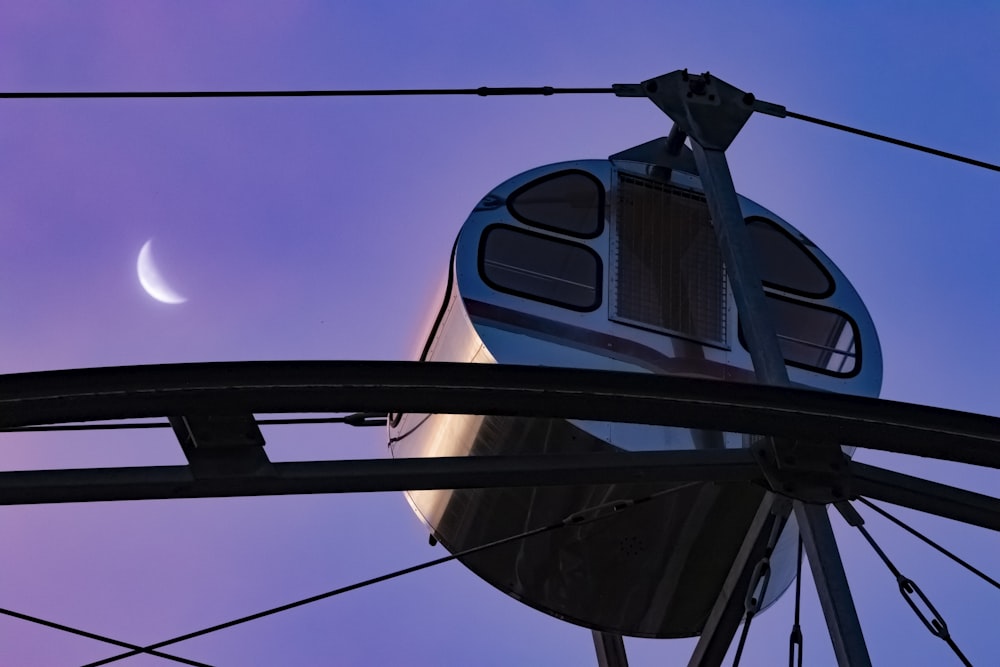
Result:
pixel 858 351
pixel 598 264
pixel 602 198
pixel 830 282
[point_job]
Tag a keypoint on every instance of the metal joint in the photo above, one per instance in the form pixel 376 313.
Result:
pixel 936 625
pixel 812 473
pixel 221 445
pixel 628 90
pixel 759 580
pixel 705 107
pixel 598 512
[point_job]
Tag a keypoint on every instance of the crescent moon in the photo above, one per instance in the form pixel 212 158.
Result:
pixel 151 280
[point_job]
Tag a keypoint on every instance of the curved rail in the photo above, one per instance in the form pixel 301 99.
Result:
pixel 52 397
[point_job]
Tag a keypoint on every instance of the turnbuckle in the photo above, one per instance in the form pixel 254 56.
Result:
pixel 936 625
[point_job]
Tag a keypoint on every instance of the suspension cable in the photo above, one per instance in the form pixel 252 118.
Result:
pixel 356 419
pixel 584 516
pixel 482 91
pixel 908 589
pixel 795 646
pixel 779 111
pixel 100 638
pixel 916 533
pixel 759 580
pixel 621 90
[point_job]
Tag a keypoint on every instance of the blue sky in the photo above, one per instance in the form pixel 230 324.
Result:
pixel 320 228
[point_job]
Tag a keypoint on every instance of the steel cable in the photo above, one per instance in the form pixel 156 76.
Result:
pixel 622 90
pixel 595 513
pixel 916 533
pixel 97 637
pixel 482 91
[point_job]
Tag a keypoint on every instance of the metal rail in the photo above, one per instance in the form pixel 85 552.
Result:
pixel 374 475
pixel 80 395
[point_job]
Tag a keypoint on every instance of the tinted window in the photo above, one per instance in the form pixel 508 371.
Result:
pixel 571 202
pixel 814 338
pixel 786 264
pixel 540 268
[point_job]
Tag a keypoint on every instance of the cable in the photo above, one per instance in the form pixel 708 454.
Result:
pixel 795 646
pixel 897 142
pixel 84 427
pixel 620 90
pixel 743 640
pixel 779 111
pixel 357 419
pixel 931 542
pixel 908 589
pixel 759 580
pixel 482 91
pixel 595 513
pixel 100 638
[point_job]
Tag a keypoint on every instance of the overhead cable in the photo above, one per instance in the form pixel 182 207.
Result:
pixel 587 515
pixel 97 637
pixel 356 419
pixel 918 602
pixel 620 90
pixel 482 91
pixel 795 645
pixel 913 531
pixel 779 111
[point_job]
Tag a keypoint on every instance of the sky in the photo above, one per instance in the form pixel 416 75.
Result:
pixel 321 228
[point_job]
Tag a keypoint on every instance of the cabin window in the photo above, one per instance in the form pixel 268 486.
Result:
pixel 668 272
pixel 784 263
pixel 571 202
pixel 814 338
pixel 540 268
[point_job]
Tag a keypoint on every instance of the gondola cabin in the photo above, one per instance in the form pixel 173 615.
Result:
pixel 613 264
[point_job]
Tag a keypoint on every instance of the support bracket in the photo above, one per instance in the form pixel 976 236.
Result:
pixel 709 110
pixel 810 472
pixel 221 445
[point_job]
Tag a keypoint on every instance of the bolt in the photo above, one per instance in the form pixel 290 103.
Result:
pixel 650 86
pixel 711 98
pixel 749 99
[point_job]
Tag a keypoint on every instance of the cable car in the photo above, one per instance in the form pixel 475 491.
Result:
pixel 613 264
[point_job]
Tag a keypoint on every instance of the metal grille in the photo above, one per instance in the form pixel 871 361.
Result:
pixel 668 271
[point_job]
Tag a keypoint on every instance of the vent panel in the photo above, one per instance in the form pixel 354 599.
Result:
pixel 668 272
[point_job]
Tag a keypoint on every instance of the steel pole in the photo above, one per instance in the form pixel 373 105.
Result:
pixel 741 265
pixel 769 367
pixel 610 649
pixel 729 607
pixel 832 586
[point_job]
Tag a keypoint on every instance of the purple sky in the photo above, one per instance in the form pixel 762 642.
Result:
pixel 319 229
